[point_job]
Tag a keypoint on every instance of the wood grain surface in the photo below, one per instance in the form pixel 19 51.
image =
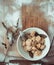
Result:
pixel 32 16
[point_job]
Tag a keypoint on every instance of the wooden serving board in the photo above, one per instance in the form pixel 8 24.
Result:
pixel 32 16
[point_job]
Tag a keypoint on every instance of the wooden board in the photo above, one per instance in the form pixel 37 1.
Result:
pixel 32 16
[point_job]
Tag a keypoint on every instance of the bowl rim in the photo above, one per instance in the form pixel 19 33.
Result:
pixel 22 54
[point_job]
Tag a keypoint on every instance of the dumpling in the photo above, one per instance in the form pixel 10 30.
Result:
pixel 37 53
pixel 28 42
pixel 38 38
pixel 38 45
pixel 32 33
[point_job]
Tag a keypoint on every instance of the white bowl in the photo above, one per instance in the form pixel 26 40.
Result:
pixel 25 54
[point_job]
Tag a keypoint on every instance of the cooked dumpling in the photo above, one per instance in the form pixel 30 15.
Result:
pixel 42 47
pixel 37 53
pixel 32 33
pixel 38 38
pixel 28 42
pixel 38 45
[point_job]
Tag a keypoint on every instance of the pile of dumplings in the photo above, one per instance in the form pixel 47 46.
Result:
pixel 34 43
